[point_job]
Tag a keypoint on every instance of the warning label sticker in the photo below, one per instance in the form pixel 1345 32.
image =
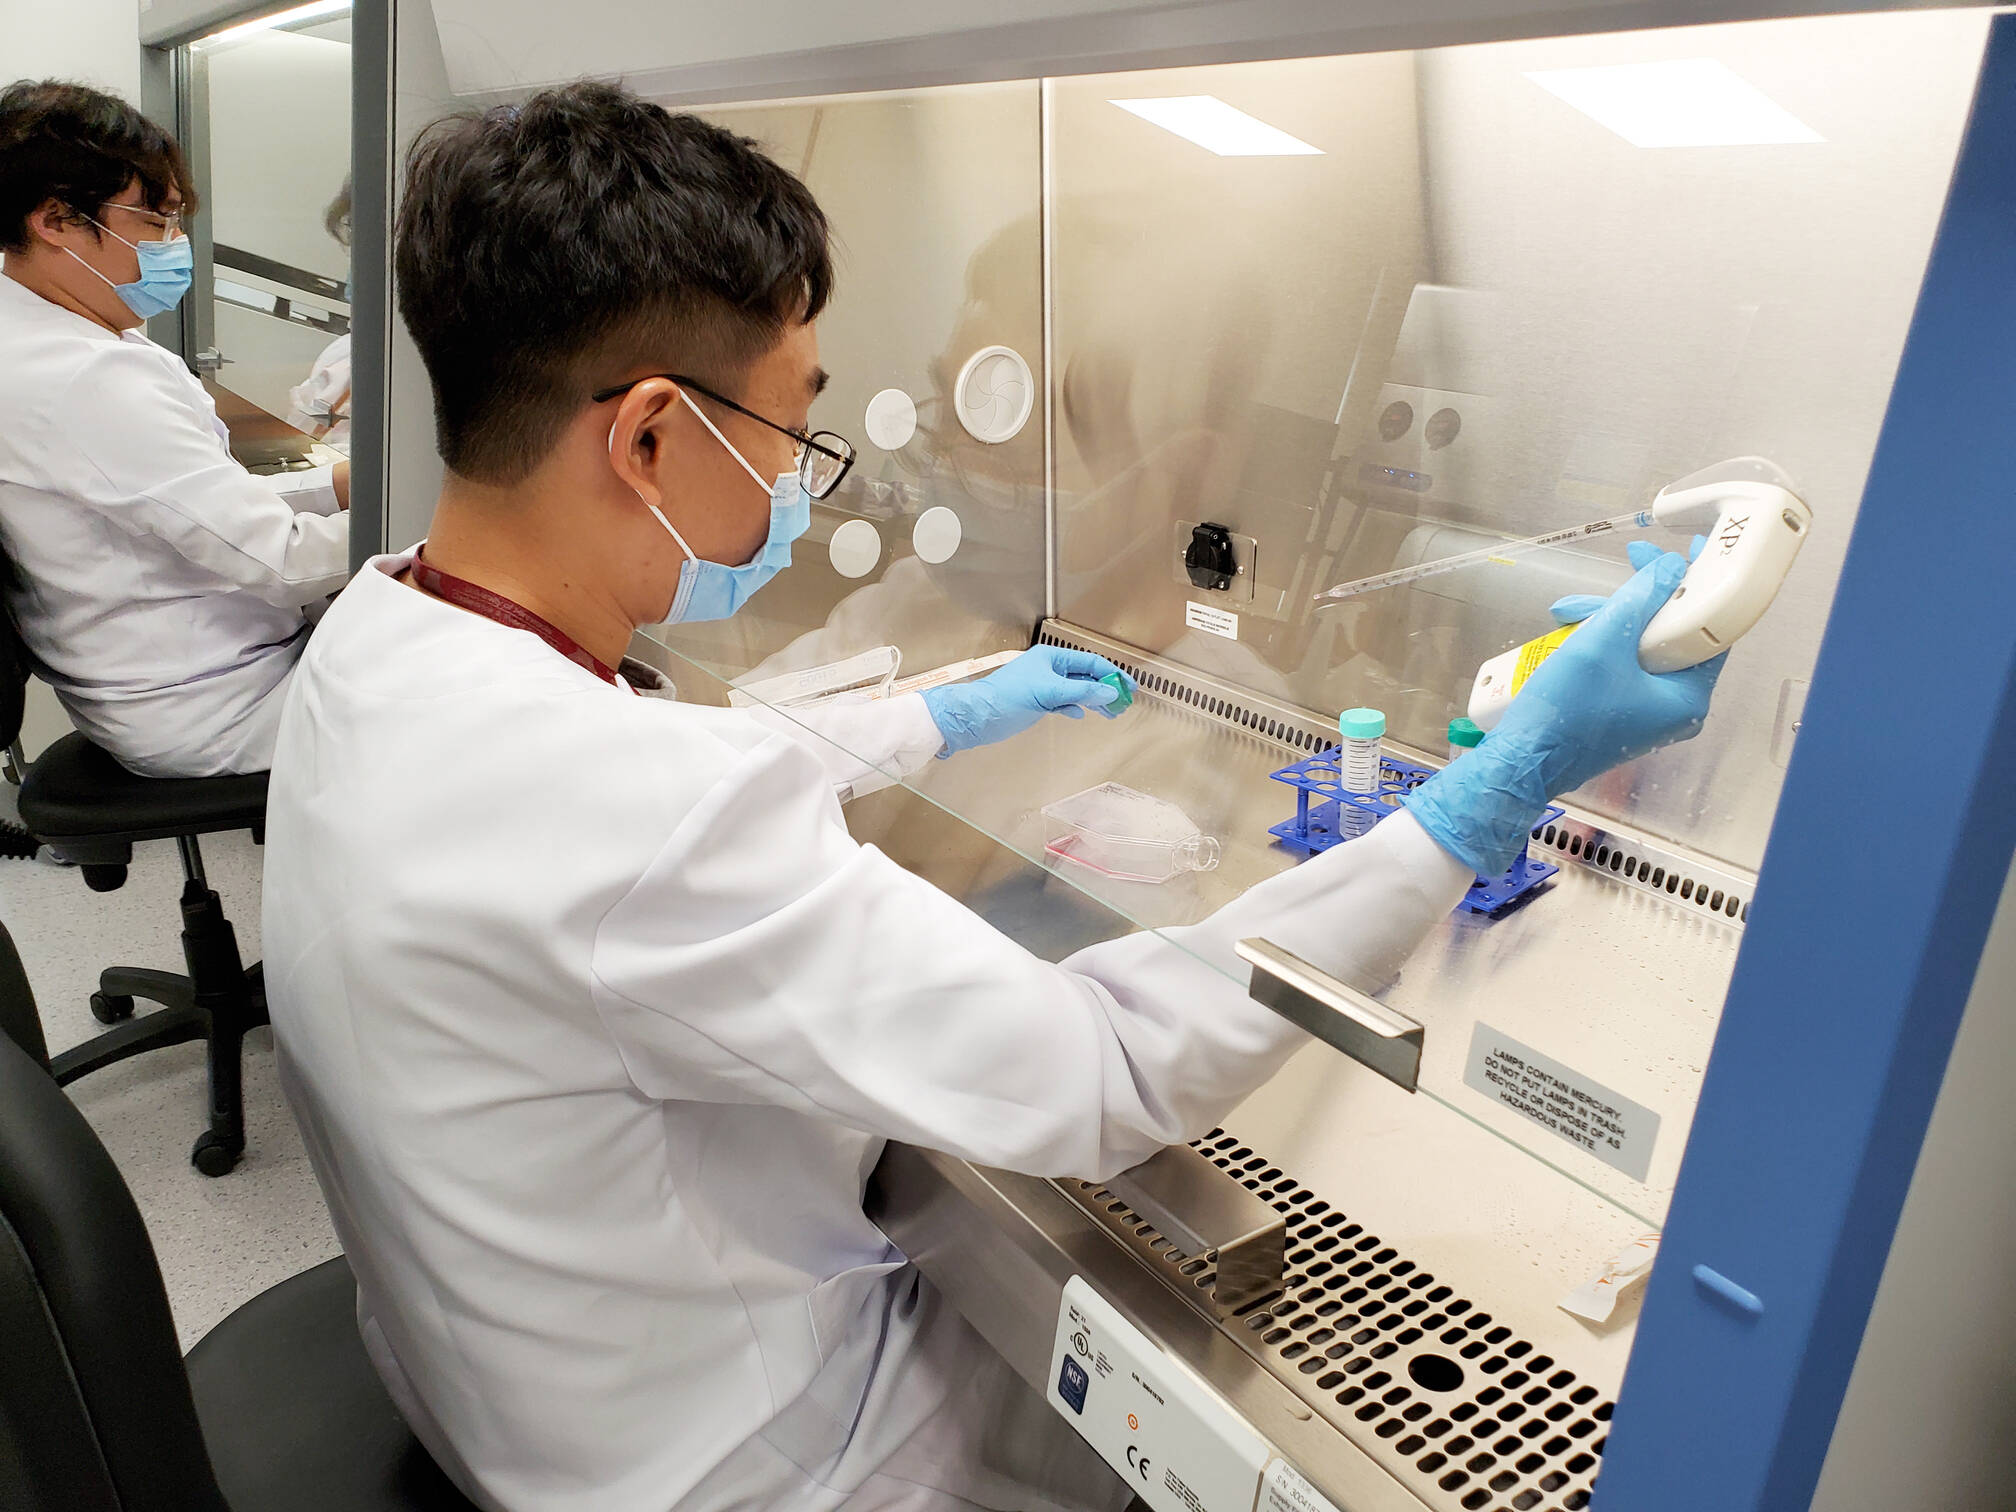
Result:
pixel 1211 621
pixel 1616 1130
pixel 1536 652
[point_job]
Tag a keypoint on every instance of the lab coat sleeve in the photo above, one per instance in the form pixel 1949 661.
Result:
pixel 312 490
pixel 864 747
pixel 766 957
pixel 138 447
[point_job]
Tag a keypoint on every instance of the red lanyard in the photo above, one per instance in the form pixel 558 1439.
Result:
pixel 464 594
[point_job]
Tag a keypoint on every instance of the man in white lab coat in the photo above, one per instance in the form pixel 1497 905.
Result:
pixel 594 1016
pixel 159 586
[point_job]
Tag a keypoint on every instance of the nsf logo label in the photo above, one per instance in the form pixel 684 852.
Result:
pixel 1072 1384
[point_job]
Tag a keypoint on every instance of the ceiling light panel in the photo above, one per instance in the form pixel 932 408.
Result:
pixel 1689 102
pixel 1217 127
pixel 299 15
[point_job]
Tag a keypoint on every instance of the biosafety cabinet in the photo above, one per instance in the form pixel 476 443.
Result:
pixel 1155 321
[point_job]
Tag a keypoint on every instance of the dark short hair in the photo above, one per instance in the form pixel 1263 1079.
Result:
pixel 550 248
pixel 337 215
pixel 79 147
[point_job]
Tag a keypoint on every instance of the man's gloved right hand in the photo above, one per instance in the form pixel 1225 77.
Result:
pixel 1589 707
pixel 1042 680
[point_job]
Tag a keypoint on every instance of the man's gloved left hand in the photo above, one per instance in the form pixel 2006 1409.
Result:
pixel 1589 707
pixel 1042 680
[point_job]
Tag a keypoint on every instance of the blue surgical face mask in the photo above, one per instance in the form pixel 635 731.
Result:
pixel 167 268
pixel 713 590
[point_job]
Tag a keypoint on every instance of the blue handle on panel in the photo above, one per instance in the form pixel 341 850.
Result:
pixel 1720 1286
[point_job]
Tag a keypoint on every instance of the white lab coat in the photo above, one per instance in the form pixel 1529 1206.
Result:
pixel 320 403
pixel 161 585
pixel 595 1019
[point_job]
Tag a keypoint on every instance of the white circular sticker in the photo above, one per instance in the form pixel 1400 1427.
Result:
pixel 856 549
pixel 937 534
pixel 892 419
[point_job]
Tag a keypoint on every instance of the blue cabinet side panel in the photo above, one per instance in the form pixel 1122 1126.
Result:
pixel 1845 998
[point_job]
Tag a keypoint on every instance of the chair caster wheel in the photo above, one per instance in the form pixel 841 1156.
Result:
pixel 110 1009
pixel 214 1155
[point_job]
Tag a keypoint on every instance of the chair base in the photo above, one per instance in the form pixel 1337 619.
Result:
pixel 218 1002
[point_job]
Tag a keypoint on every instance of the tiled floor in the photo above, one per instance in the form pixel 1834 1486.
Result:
pixel 219 1241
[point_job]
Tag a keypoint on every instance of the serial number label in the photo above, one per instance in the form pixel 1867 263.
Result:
pixel 1607 1124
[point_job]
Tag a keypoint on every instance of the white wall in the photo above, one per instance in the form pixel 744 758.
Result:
pixel 279 146
pixel 1931 1409
pixel 93 42
pixel 413 466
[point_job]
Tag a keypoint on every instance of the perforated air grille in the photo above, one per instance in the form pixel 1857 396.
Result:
pixel 1451 1402
pixel 1309 737
pixel 1712 891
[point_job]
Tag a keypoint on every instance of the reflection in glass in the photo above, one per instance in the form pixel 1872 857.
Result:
pixel 320 403
pixel 269 133
pixel 934 200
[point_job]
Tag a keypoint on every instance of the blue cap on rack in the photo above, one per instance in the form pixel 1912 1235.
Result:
pixel 1361 724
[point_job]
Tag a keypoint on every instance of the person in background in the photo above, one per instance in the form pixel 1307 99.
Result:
pixel 320 403
pixel 159 586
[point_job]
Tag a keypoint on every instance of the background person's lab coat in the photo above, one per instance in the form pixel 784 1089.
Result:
pixel 595 1019
pixel 160 585
pixel 320 403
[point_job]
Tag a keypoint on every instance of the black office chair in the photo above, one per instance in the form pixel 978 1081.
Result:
pixel 276 1410
pixel 80 801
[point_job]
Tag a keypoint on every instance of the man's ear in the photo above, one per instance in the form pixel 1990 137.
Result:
pixel 49 220
pixel 641 434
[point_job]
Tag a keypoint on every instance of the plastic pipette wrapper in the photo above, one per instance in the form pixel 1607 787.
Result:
pixel 1597 1299
pixel 864 678
pixel 952 672
pixel 853 679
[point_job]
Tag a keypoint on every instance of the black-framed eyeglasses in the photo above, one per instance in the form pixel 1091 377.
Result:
pixel 823 456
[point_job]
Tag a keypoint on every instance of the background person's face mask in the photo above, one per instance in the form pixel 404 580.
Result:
pixel 713 590
pixel 167 268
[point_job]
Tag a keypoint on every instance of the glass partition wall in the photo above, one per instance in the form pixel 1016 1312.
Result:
pixel 935 198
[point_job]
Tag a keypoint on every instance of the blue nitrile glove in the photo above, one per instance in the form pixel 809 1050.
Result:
pixel 1042 680
pixel 1588 708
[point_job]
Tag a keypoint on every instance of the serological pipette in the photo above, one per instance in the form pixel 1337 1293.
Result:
pixel 1675 510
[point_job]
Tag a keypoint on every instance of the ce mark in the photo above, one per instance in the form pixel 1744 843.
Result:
pixel 1137 1460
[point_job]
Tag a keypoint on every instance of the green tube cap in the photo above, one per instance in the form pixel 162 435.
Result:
pixel 1361 724
pixel 1464 732
pixel 1118 684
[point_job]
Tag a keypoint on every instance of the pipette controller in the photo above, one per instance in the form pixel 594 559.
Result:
pixel 1760 524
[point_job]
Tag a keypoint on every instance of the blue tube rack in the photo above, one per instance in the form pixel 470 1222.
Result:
pixel 1321 811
